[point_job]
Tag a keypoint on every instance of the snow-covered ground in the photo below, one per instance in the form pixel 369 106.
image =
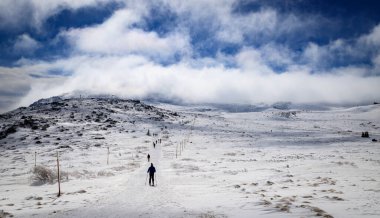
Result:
pixel 211 163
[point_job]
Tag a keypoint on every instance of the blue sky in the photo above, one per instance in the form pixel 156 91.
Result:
pixel 222 51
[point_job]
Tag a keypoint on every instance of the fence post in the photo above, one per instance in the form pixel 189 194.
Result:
pixel 108 155
pixel 59 176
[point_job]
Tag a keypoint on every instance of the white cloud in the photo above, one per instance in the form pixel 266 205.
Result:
pixel 117 36
pixel 136 77
pixel 376 64
pixel 14 83
pixel 373 38
pixel 234 28
pixel 314 54
pixel 250 60
pixel 33 13
pixel 230 26
pixel 367 46
pixel 325 55
pixel 277 55
pixel 25 44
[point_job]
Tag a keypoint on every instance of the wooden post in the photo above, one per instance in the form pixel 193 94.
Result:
pixel 108 155
pixel 35 158
pixel 59 177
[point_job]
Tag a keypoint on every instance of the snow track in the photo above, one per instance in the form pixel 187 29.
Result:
pixel 134 198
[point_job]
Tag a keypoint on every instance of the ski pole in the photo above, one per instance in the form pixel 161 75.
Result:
pixel 155 178
pixel 146 178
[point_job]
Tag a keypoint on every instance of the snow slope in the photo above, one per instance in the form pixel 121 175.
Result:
pixel 271 163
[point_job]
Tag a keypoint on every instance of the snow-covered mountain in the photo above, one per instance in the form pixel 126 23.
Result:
pixel 212 160
pixel 100 113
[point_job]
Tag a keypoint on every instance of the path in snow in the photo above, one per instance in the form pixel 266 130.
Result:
pixel 134 198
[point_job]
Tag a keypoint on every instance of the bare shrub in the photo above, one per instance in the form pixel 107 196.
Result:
pixel 42 175
pixel 83 174
pixel 210 214
pixel 104 173
pixel 230 154
pixel 119 168
pixel 5 214
pixel 133 165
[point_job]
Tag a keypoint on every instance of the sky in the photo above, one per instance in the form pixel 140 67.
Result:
pixel 214 51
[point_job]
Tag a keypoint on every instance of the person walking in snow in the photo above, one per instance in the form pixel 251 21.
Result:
pixel 148 157
pixel 151 172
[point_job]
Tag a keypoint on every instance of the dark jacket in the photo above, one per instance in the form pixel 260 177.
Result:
pixel 151 170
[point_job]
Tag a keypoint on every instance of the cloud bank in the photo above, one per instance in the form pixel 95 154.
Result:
pixel 208 51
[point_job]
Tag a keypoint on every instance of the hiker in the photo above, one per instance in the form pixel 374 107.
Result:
pixel 151 172
pixel 148 157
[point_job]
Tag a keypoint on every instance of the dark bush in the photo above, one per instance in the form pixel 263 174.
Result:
pixel 365 135
pixel 7 131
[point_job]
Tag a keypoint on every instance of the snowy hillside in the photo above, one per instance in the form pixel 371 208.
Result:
pixel 275 162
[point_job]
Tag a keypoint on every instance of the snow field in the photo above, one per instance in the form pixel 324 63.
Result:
pixel 257 164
